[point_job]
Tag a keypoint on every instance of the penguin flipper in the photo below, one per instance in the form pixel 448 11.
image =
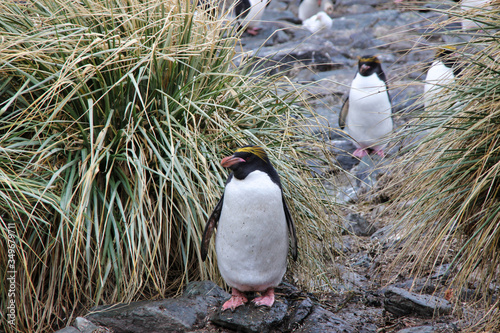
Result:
pixel 209 228
pixel 343 113
pixel 242 8
pixel 291 230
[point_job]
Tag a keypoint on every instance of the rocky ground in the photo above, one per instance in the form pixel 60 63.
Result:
pixel 367 301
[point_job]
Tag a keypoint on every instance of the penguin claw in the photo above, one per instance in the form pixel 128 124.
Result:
pixel 267 298
pixel 233 303
pixel 237 299
pixel 360 153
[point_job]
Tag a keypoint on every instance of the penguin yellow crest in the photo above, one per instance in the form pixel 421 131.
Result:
pixel 370 59
pixel 448 47
pixel 256 150
pixel 444 50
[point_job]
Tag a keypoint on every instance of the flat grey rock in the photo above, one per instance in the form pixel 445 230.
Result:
pixel 401 302
pixel 301 311
pixel 418 329
pixel 250 318
pixel 321 321
pixel 84 325
pixel 181 314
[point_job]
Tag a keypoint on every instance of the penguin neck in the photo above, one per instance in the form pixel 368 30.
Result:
pixel 439 71
pixel 367 82
pixel 244 171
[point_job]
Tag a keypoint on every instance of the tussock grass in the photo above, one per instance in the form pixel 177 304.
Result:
pixel 114 116
pixel 447 191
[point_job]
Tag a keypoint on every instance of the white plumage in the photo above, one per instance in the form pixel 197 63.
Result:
pixel 369 117
pixel 308 8
pixel 317 22
pixel 251 19
pixel 252 238
pixel 438 76
pixel 470 7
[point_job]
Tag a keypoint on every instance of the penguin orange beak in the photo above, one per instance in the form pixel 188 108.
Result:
pixel 229 161
pixel 364 68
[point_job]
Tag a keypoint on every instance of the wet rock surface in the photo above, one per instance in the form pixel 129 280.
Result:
pixel 364 301
pixel 185 313
pixel 246 319
pixel 401 302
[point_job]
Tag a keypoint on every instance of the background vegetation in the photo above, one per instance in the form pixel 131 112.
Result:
pixel 449 179
pixel 114 116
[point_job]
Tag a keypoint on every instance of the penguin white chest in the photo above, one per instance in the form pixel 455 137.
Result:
pixel 252 239
pixel 471 7
pixel 437 77
pixel 251 18
pixel 369 115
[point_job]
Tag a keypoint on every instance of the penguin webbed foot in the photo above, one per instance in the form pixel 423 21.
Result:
pixel 266 299
pixel 360 153
pixel 253 31
pixel 237 299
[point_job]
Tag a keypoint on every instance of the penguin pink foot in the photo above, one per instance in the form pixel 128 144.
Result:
pixel 237 299
pixel 360 153
pixel 380 153
pixel 253 31
pixel 266 299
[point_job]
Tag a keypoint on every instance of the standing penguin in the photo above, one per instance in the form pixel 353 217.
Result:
pixel 366 113
pixel 471 8
pixel 441 73
pixel 252 219
pixel 249 13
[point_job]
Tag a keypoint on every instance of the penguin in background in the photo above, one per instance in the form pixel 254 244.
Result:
pixel 249 14
pixel 253 222
pixel 366 114
pixel 470 6
pixel 318 22
pixel 442 72
pixel 308 8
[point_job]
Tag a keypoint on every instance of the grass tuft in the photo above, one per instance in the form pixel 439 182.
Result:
pixel 447 191
pixel 114 116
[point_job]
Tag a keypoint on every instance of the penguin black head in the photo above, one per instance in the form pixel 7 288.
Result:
pixel 444 52
pixel 248 159
pixel 367 65
pixel 448 57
